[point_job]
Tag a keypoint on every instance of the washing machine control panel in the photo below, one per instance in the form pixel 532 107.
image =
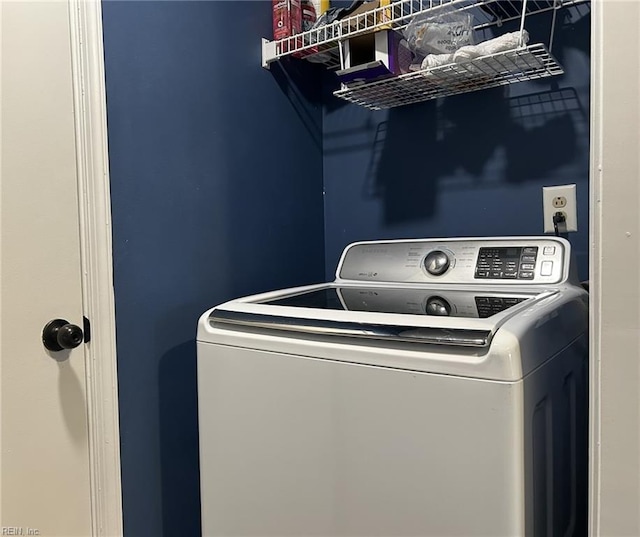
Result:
pixel 475 261
pixel 507 263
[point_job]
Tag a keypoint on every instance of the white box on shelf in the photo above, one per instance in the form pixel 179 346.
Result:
pixel 371 56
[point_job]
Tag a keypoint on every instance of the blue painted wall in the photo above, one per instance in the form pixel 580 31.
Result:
pixel 468 165
pixel 216 184
pixel 217 173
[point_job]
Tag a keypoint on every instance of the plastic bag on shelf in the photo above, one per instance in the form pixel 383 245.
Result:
pixel 443 33
pixel 502 43
pixel 436 60
pixel 466 54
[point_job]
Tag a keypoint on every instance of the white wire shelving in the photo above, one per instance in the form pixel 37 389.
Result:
pixel 323 45
pixel 518 65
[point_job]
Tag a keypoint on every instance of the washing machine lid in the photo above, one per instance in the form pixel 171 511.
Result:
pixel 407 301
pixel 425 315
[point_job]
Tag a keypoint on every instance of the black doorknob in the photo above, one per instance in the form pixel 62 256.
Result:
pixel 60 334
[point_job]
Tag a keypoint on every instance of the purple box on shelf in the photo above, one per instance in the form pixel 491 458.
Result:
pixel 375 55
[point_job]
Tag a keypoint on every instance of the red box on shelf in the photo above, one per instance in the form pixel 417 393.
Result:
pixel 287 18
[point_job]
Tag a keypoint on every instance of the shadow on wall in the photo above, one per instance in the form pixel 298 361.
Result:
pixel 179 456
pixel 463 134
pixel 300 81
pixel 475 140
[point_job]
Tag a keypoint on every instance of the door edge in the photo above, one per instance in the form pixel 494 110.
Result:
pixel 89 89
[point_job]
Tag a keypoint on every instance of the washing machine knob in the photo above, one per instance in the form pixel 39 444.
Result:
pixel 437 306
pixel 436 262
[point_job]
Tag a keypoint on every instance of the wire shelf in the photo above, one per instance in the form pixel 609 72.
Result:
pixel 320 45
pixel 518 65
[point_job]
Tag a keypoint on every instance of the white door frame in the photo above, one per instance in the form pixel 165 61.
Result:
pixel 97 264
pixel 614 480
pixel 615 379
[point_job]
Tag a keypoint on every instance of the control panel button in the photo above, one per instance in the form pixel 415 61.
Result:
pixel 436 262
pixel 547 268
pixel 507 263
pixel 549 250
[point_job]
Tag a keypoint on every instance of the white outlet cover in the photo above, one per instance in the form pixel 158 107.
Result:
pixel 571 209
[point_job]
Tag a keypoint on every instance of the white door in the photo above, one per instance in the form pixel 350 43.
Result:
pixel 44 472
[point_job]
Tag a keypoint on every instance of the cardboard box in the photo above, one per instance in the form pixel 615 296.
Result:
pixel 366 22
pixel 386 15
pixel 375 55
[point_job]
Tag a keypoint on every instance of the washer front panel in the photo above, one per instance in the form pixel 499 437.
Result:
pixel 522 261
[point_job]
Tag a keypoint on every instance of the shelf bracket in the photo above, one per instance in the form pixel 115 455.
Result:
pixel 268 52
pixel 556 6
pixel 522 19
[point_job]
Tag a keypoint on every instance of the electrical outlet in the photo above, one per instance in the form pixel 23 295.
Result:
pixel 559 199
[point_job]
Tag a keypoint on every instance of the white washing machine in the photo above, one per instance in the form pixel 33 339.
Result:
pixel 435 388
